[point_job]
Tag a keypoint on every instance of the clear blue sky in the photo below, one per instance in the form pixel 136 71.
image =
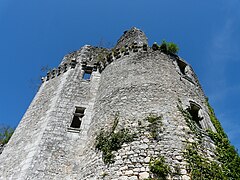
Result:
pixel 35 33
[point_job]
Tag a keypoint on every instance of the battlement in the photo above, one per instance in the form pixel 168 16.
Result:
pixel 99 58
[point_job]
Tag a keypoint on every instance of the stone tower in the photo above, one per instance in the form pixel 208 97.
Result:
pixel 91 88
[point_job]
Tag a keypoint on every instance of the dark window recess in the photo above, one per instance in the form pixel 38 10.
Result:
pixel 194 112
pixel 77 118
pixel 182 65
pixel 87 73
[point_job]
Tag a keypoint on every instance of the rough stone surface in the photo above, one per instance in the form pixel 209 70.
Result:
pixel 134 85
pixel 143 175
pixel 1 148
pixel 134 35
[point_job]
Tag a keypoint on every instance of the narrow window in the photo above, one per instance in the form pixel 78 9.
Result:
pixel 182 65
pixel 194 112
pixel 77 118
pixel 87 74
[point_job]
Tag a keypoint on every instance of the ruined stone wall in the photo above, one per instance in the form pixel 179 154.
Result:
pixel 42 146
pixel 22 147
pixel 60 151
pixel 135 86
pixel 133 82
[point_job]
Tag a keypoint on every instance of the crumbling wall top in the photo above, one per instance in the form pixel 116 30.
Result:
pixel 131 36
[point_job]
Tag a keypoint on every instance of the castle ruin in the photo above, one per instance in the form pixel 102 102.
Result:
pixel 87 92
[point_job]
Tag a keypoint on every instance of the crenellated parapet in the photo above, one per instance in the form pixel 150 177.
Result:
pixel 118 53
pixel 62 68
pixel 99 58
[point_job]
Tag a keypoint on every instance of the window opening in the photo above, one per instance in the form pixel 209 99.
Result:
pixel 87 73
pixel 194 112
pixel 77 118
pixel 182 65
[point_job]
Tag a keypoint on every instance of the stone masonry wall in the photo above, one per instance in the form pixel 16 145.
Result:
pixel 135 86
pixel 133 82
pixel 60 150
pixel 22 147
pixel 42 147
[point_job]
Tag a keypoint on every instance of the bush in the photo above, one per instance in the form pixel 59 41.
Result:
pixel 169 47
pixel 164 47
pixel 159 168
pixel 172 48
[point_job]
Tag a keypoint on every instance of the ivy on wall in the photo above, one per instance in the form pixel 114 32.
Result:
pixel 201 168
pixel 227 164
pixel 109 141
pixel 226 153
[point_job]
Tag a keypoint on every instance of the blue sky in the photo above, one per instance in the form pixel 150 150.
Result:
pixel 35 34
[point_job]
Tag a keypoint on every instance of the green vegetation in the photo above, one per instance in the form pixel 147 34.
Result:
pixel 166 47
pixel 172 48
pixel 154 126
pixel 190 122
pixel 101 58
pixel 159 168
pixel 201 168
pixel 109 141
pixel 226 153
pixel 227 164
pixel 5 134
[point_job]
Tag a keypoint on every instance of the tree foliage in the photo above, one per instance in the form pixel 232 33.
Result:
pixel 5 134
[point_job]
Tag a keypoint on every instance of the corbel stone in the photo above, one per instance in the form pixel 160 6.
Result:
pixel 65 67
pixel 73 63
pixel 84 63
pixel 109 58
pixel 155 46
pixel 135 49
pixel 145 47
pixel 126 53
pixel 48 75
pixel 42 79
pixel 59 70
pixel 53 72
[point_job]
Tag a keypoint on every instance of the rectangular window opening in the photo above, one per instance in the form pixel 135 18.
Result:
pixel 194 112
pixel 182 66
pixel 87 73
pixel 77 117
